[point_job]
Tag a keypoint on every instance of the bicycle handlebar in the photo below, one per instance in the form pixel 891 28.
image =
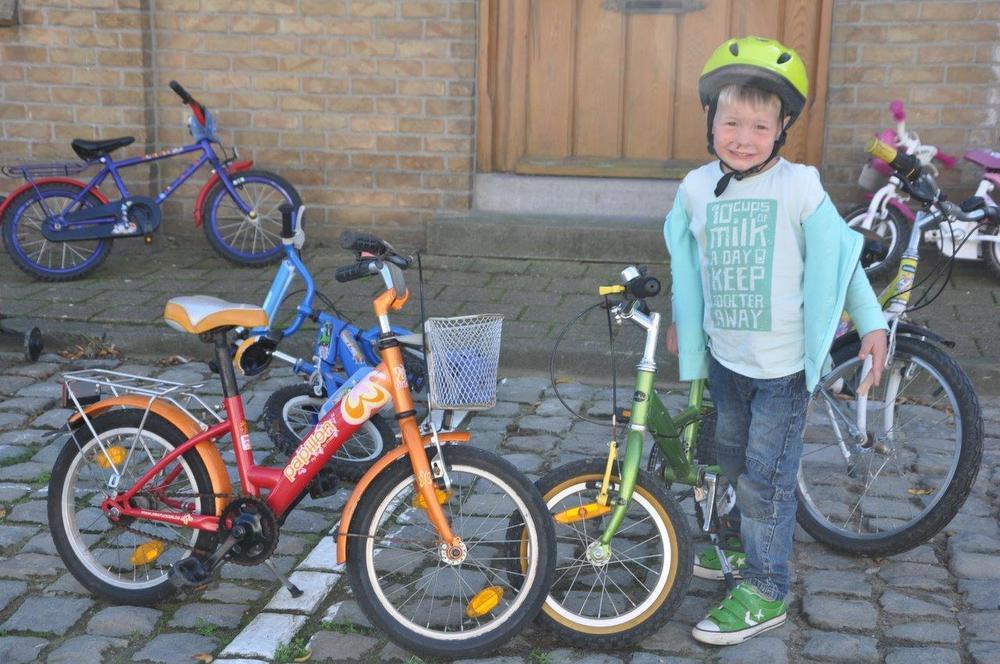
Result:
pixel 371 244
pixel 980 212
pixel 196 107
pixel 905 165
pixel 287 220
pixel 358 270
pixel 181 92
pixel 643 287
pixel 353 241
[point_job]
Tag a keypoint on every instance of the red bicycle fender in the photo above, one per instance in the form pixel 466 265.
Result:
pixel 28 185
pixel 235 167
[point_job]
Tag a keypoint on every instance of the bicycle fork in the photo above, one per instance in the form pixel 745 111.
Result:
pixel 600 550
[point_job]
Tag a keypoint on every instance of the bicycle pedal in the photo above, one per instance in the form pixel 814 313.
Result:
pixel 326 483
pixel 189 574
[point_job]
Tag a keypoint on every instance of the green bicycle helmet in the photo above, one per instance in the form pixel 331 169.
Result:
pixel 755 62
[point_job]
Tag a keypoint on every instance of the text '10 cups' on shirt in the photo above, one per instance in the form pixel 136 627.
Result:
pixel 752 251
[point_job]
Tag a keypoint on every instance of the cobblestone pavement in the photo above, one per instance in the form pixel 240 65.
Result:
pixel 937 603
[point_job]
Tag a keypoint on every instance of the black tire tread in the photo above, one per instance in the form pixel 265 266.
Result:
pixel 219 189
pixel 675 594
pixel 970 457
pixel 888 266
pixel 8 230
pixel 112 420
pixel 465 455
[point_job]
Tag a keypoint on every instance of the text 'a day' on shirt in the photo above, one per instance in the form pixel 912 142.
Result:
pixel 752 251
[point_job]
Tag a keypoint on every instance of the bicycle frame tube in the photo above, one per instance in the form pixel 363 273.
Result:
pixel 111 167
pixel 675 436
pixel 284 484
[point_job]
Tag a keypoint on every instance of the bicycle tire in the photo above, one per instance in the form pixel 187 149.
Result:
pixel 388 520
pixel 562 489
pixel 32 253
pixel 877 259
pixel 94 552
pixel 250 242
pixel 902 494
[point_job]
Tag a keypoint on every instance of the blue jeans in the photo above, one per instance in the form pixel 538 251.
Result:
pixel 758 441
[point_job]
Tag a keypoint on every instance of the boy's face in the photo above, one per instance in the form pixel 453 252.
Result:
pixel 743 135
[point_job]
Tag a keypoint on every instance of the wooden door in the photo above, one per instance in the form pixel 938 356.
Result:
pixel 610 87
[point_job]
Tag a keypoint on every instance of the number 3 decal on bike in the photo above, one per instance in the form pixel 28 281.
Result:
pixel 366 398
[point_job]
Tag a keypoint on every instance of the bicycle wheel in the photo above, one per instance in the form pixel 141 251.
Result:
pixel 252 239
pixel 618 602
pixel 292 411
pixel 884 243
pixel 910 475
pixel 126 561
pixel 32 252
pixel 438 607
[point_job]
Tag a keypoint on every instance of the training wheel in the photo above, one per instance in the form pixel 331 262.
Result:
pixel 33 344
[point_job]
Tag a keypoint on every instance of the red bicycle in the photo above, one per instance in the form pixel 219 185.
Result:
pixel 450 549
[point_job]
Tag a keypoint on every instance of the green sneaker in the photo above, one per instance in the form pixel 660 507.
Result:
pixel 745 613
pixel 707 565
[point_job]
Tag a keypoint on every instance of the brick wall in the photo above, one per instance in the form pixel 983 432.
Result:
pixel 365 106
pixel 941 58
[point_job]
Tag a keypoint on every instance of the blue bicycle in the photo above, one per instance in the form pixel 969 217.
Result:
pixel 57 228
pixel 342 354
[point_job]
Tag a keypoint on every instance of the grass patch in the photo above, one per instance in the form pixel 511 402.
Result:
pixel 43 477
pixel 18 458
pixel 539 656
pixel 294 651
pixel 204 627
pixel 343 628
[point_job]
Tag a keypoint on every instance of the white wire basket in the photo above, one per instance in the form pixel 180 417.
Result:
pixel 463 354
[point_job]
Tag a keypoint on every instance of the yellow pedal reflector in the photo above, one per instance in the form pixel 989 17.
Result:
pixel 117 454
pixel 485 601
pixel 581 513
pixel 920 492
pixel 442 498
pixel 147 553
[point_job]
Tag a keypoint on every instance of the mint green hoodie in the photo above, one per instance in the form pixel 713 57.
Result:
pixel 833 280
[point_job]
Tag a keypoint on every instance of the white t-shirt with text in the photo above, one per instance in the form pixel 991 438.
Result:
pixel 752 252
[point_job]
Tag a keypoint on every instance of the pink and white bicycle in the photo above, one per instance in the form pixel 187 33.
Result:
pixel 884 220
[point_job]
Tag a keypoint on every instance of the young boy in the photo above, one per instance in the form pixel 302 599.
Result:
pixel 762 267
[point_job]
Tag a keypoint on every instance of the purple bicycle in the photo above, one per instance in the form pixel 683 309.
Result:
pixel 58 228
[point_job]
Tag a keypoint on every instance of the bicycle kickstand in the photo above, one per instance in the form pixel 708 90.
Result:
pixel 711 525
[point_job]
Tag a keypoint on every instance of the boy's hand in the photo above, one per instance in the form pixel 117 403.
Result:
pixel 875 344
pixel 672 339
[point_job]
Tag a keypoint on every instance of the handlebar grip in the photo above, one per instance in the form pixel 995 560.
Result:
pixel 896 108
pixel 904 164
pixel 947 160
pixel 181 92
pixel 356 271
pixel 644 287
pixel 287 220
pixel 362 242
